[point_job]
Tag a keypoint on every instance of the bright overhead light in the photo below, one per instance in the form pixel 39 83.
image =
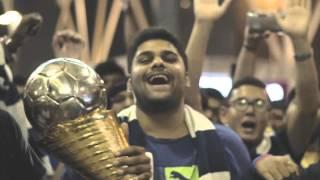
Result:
pixel 275 91
pixel 219 81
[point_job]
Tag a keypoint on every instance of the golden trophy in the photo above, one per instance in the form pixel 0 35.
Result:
pixel 65 102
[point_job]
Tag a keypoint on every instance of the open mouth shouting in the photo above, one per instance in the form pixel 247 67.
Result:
pixel 249 126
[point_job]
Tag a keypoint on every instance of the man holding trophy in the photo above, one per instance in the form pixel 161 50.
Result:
pixel 64 101
pixel 65 98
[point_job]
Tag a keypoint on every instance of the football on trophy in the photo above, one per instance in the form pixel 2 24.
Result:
pixel 62 89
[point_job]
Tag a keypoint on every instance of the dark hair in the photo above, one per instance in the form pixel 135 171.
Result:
pixel 247 81
pixel 115 89
pixel 214 93
pixel 210 92
pixel 155 33
pixel 204 99
pixel 109 67
pixel 281 104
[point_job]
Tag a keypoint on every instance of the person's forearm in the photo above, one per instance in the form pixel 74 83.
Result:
pixel 247 57
pixel 302 111
pixel 196 51
pixel 245 64
pixel 197 47
pixel 307 92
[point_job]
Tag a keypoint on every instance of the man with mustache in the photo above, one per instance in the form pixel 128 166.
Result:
pixel 182 140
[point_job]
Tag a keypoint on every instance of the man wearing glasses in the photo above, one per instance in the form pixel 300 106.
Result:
pixel 247 114
pixel 249 103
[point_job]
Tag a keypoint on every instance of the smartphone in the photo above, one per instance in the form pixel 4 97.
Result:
pixel 262 22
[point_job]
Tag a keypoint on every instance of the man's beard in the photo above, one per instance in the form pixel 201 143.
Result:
pixel 168 104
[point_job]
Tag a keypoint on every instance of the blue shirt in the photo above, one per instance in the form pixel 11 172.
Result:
pixel 206 151
pixel 172 158
pixel 237 150
pixel 177 158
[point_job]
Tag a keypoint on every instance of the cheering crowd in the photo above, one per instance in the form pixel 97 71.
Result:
pixel 191 133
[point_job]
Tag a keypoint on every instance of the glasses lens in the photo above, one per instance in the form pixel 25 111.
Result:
pixel 241 104
pixel 260 105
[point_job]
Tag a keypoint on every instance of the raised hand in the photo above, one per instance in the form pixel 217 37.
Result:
pixel 296 17
pixel 210 9
pixel 67 43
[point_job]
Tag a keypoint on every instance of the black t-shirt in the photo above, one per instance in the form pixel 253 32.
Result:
pixel 17 159
pixel 311 173
pixel 279 146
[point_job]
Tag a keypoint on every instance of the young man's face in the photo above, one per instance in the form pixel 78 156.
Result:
pixel 212 110
pixel 247 113
pixel 277 120
pixel 158 74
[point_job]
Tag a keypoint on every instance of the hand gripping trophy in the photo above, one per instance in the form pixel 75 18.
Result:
pixel 64 100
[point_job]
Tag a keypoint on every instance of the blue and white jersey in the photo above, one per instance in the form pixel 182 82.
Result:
pixel 200 155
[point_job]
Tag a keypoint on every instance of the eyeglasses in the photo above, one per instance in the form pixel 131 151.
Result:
pixel 242 104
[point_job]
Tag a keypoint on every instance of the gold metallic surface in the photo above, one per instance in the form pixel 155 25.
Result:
pixel 62 89
pixel 88 143
pixel 65 103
